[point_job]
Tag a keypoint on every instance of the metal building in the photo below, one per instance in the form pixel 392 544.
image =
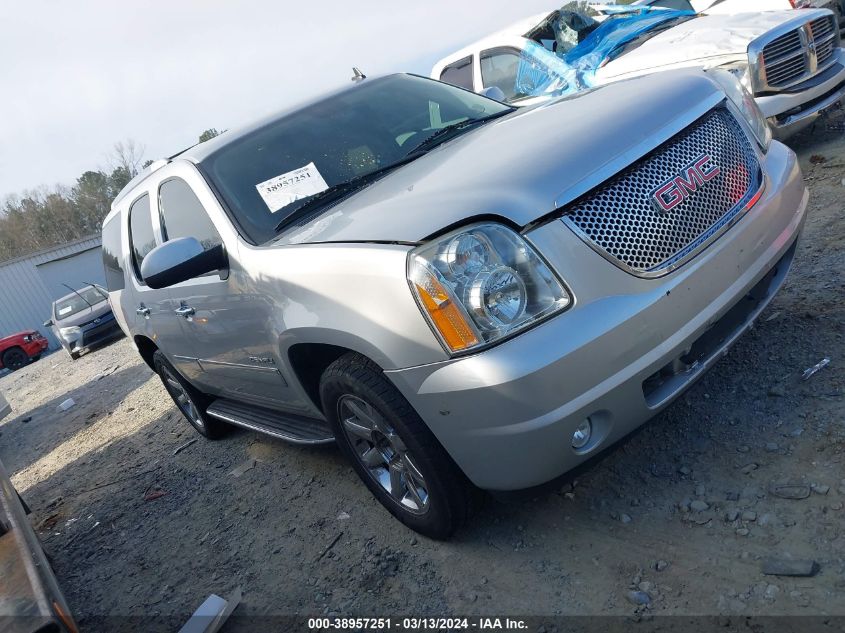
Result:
pixel 30 284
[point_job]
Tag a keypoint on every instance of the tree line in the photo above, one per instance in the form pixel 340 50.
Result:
pixel 50 216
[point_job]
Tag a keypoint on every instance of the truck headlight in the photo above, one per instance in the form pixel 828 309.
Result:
pixel 481 284
pixel 70 333
pixel 744 102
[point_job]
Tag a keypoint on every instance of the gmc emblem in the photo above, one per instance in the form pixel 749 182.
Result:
pixel 673 192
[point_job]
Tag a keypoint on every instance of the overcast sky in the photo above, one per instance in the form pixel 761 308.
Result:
pixel 78 76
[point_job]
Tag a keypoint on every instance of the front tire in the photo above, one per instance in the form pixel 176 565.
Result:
pixel 14 358
pixel 392 449
pixel 190 401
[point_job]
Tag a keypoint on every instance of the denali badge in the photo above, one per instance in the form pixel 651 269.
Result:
pixel 673 192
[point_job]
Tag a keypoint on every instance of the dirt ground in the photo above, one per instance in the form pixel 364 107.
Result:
pixel 684 511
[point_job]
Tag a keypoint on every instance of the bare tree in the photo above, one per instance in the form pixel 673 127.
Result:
pixel 127 155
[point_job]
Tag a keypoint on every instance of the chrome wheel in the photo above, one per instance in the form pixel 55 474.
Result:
pixel 182 398
pixel 383 453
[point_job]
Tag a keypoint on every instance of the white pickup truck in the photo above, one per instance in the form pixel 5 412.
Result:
pixel 791 61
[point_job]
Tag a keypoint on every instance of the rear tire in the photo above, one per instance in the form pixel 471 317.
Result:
pixel 14 358
pixel 393 451
pixel 190 401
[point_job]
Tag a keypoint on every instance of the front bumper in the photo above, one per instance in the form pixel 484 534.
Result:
pixel 93 334
pixel 621 354
pixel 36 346
pixel 791 112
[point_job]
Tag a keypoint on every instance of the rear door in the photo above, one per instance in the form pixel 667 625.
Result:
pixel 154 316
pixel 225 322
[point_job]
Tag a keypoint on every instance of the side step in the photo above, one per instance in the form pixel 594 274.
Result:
pixel 291 428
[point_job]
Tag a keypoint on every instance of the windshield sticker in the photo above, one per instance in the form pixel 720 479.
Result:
pixel 280 191
pixel 65 310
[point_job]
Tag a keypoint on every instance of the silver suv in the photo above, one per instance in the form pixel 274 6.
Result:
pixel 462 295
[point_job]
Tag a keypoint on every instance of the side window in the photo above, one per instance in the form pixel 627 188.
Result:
pixel 182 214
pixel 459 73
pixel 112 262
pixel 141 237
pixel 499 68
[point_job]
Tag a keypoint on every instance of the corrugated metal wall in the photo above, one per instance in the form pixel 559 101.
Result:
pixel 24 298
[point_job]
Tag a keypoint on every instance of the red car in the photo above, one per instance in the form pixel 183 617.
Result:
pixel 16 350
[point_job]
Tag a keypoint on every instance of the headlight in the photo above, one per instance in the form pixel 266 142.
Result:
pixel 70 333
pixel 481 284
pixel 744 102
pixel 27 338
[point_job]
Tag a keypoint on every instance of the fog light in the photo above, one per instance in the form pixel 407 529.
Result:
pixel 582 434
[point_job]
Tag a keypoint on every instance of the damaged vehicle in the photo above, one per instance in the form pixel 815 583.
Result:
pixel 462 294
pixel 791 61
pixel 82 319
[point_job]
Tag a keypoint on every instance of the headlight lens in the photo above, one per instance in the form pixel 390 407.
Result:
pixel 481 284
pixel 70 333
pixel 744 102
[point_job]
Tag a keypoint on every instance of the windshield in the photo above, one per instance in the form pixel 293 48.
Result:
pixel 74 304
pixel 269 173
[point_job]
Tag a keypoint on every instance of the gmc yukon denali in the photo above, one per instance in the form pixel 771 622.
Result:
pixel 463 295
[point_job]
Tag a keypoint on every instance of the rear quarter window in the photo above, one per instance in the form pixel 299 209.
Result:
pixel 112 257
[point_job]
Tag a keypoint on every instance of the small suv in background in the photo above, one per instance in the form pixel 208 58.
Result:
pixel 83 318
pixel 16 350
pixel 463 294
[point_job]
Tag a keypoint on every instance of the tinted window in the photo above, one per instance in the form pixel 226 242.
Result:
pixel 141 237
pixel 349 134
pixel 112 261
pixel 459 74
pixel 182 214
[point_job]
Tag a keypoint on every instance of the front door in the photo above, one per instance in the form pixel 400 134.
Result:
pixel 154 316
pixel 222 322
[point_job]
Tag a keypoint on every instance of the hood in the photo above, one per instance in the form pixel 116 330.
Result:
pixel 13 338
pixel 88 314
pixel 521 166
pixel 706 38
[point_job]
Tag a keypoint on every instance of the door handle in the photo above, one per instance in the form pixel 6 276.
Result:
pixel 185 311
pixel 143 311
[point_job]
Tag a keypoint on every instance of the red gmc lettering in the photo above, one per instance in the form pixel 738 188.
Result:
pixel 672 193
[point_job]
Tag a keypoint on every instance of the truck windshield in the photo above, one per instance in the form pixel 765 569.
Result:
pixel 265 175
pixel 73 304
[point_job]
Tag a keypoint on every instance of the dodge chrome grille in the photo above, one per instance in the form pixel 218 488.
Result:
pixel 795 55
pixel 621 221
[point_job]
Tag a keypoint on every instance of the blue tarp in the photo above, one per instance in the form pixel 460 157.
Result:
pixel 544 73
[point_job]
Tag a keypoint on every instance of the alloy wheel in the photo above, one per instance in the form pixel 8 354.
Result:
pixel 14 359
pixel 182 398
pixel 383 454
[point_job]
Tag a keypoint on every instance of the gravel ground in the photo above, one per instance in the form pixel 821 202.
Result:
pixel 679 517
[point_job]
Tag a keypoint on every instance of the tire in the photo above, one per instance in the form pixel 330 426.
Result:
pixel 73 355
pixel 191 402
pixel 14 358
pixel 393 451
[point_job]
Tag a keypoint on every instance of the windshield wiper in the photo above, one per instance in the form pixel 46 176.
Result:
pixel 338 191
pixel 343 189
pixel 444 133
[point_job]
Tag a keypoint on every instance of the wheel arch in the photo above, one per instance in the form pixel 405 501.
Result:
pixel 308 361
pixel 146 348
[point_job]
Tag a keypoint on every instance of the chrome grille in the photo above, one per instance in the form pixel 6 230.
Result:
pixel 619 221
pixel 823 27
pixel 799 53
pixel 784 59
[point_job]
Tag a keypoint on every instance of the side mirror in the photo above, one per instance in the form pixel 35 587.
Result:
pixel 495 93
pixel 48 323
pixel 179 260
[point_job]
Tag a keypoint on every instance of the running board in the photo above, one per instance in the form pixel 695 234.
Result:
pixel 291 428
